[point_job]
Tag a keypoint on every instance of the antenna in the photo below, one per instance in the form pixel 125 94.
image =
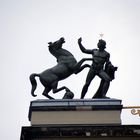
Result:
pixel 101 35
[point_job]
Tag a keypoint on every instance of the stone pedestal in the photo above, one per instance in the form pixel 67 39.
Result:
pixel 96 111
pixel 76 119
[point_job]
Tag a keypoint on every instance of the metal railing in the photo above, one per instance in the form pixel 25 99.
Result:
pixel 135 110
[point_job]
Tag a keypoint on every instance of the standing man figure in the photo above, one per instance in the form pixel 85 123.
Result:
pixel 100 59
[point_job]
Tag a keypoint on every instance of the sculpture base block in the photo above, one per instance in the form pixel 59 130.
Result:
pixel 75 111
pixel 84 132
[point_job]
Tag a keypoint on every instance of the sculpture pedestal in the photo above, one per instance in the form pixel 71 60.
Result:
pixel 96 119
pixel 75 111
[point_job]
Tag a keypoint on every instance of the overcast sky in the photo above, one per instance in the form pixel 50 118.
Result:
pixel 27 25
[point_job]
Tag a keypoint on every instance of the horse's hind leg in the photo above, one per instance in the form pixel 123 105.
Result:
pixel 55 89
pixel 46 91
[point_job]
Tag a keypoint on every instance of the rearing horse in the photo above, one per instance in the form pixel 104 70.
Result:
pixel 66 66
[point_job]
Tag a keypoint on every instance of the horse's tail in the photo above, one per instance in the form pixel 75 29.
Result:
pixel 34 83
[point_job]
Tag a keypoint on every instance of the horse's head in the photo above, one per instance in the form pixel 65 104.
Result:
pixel 57 44
pixel 62 40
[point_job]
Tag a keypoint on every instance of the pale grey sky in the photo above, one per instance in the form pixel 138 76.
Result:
pixel 27 25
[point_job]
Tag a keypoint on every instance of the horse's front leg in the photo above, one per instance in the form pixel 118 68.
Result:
pixel 79 68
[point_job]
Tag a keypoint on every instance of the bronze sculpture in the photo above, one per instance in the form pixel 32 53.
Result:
pixel 66 66
pixel 100 59
pixel 104 86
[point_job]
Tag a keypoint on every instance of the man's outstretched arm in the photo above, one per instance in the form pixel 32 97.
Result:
pixel 82 47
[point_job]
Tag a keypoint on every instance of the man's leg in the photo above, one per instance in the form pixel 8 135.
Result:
pixel 89 78
pixel 103 75
pixel 106 82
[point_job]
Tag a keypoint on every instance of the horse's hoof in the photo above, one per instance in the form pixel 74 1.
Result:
pixel 68 95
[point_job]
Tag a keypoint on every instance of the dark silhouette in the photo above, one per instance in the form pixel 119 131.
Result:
pixel 68 95
pixel 104 86
pixel 66 66
pixel 100 59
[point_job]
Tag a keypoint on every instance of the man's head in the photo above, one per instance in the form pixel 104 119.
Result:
pixel 101 44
